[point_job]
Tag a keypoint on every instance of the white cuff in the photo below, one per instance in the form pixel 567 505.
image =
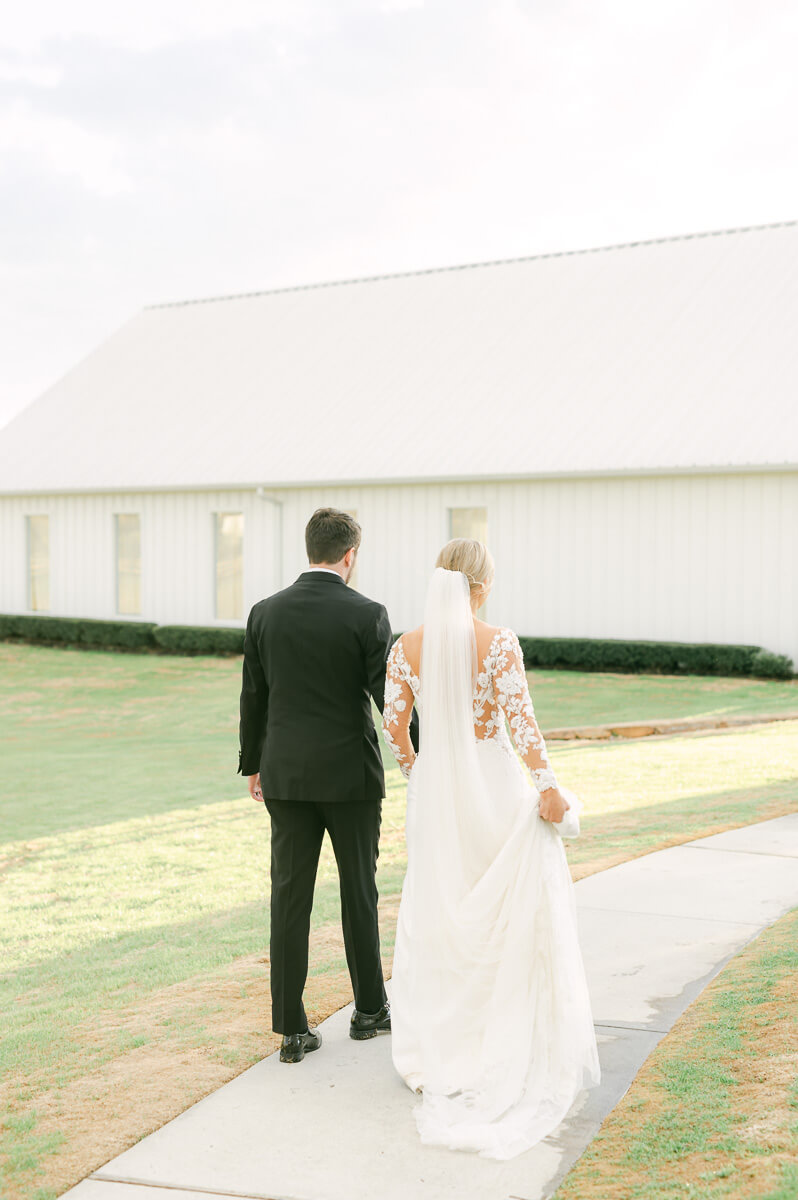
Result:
pixel 544 778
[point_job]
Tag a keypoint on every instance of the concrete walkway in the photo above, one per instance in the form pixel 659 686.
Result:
pixel 339 1126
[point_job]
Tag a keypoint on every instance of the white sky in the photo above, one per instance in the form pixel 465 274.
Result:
pixel 182 148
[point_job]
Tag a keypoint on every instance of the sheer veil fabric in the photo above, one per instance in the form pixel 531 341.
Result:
pixel 491 1016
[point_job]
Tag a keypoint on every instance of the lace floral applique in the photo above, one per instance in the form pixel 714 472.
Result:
pixel 488 718
pixel 398 707
pixel 501 690
pixel 512 694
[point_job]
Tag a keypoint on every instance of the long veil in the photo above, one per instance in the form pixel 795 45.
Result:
pixel 456 814
pixel 456 850
pixel 491 980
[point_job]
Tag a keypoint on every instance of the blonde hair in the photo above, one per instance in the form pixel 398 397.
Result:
pixel 473 558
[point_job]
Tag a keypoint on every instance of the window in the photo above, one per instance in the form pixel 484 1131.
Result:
pixel 38 563
pixel 128 562
pixel 229 566
pixel 470 523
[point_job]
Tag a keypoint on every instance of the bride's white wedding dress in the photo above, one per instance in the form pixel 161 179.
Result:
pixel 490 1012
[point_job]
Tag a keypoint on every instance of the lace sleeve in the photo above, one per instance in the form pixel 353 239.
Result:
pixel 398 710
pixel 512 694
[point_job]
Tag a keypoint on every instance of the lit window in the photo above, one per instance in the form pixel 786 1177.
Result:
pixel 38 563
pixel 230 566
pixel 470 523
pixel 128 563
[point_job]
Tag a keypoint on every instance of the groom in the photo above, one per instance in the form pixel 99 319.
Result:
pixel 314 655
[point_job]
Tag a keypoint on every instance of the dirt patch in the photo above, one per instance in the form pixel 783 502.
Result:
pixel 196 1035
pixel 689 728
pixel 104 1112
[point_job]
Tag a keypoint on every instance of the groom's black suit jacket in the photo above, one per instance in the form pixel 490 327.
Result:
pixel 314 654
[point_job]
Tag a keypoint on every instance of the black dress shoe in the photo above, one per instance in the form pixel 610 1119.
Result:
pixel 296 1045
pixel 368 1025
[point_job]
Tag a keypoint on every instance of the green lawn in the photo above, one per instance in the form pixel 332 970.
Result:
pixel 92 736
pixel 133 893
pixel 647 793
pixel 568 698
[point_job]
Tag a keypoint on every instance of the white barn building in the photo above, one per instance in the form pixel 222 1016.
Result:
pixel 620 424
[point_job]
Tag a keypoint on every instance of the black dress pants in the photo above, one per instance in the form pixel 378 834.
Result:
pixel 297 834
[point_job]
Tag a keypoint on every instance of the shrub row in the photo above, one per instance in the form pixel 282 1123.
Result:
pixel 122 635
pixel 574 654
pixel 199 639
pixel 656 658
pixel 77 631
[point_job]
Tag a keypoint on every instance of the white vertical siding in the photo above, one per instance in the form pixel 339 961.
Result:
pixel 660 557
pixel 177 547
pixel 708 557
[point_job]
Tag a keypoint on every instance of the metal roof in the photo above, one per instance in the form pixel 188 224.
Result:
pixel 673 354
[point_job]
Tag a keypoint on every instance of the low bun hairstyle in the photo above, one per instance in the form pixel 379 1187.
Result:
pixel 473 558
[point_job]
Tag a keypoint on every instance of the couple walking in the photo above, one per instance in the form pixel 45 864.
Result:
pixel 491 1020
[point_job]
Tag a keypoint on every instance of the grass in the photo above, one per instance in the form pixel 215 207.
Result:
pixel 713 1113
pixel 93 737
pixel 134 922
pixel 571 698
pixel 95 734
pixel 649 793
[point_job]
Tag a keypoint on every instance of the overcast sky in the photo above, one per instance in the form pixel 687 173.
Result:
pixel 181 148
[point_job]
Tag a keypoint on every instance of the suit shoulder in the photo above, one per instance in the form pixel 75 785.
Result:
pixel 366 604
pixel 256 608
pixel 260 607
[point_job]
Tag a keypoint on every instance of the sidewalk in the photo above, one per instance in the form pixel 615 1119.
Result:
pixel 339 1126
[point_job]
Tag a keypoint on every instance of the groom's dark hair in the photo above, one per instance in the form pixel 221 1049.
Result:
pixel 329 534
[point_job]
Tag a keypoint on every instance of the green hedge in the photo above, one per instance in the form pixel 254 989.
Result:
pixel 573 654
pixel 658 658
pixel 199 639
pixel 122 635
pixel 78 631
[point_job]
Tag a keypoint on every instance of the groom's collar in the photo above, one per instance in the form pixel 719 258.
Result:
pixel 323 573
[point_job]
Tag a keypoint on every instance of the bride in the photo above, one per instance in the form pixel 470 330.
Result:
pixel 490 1012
